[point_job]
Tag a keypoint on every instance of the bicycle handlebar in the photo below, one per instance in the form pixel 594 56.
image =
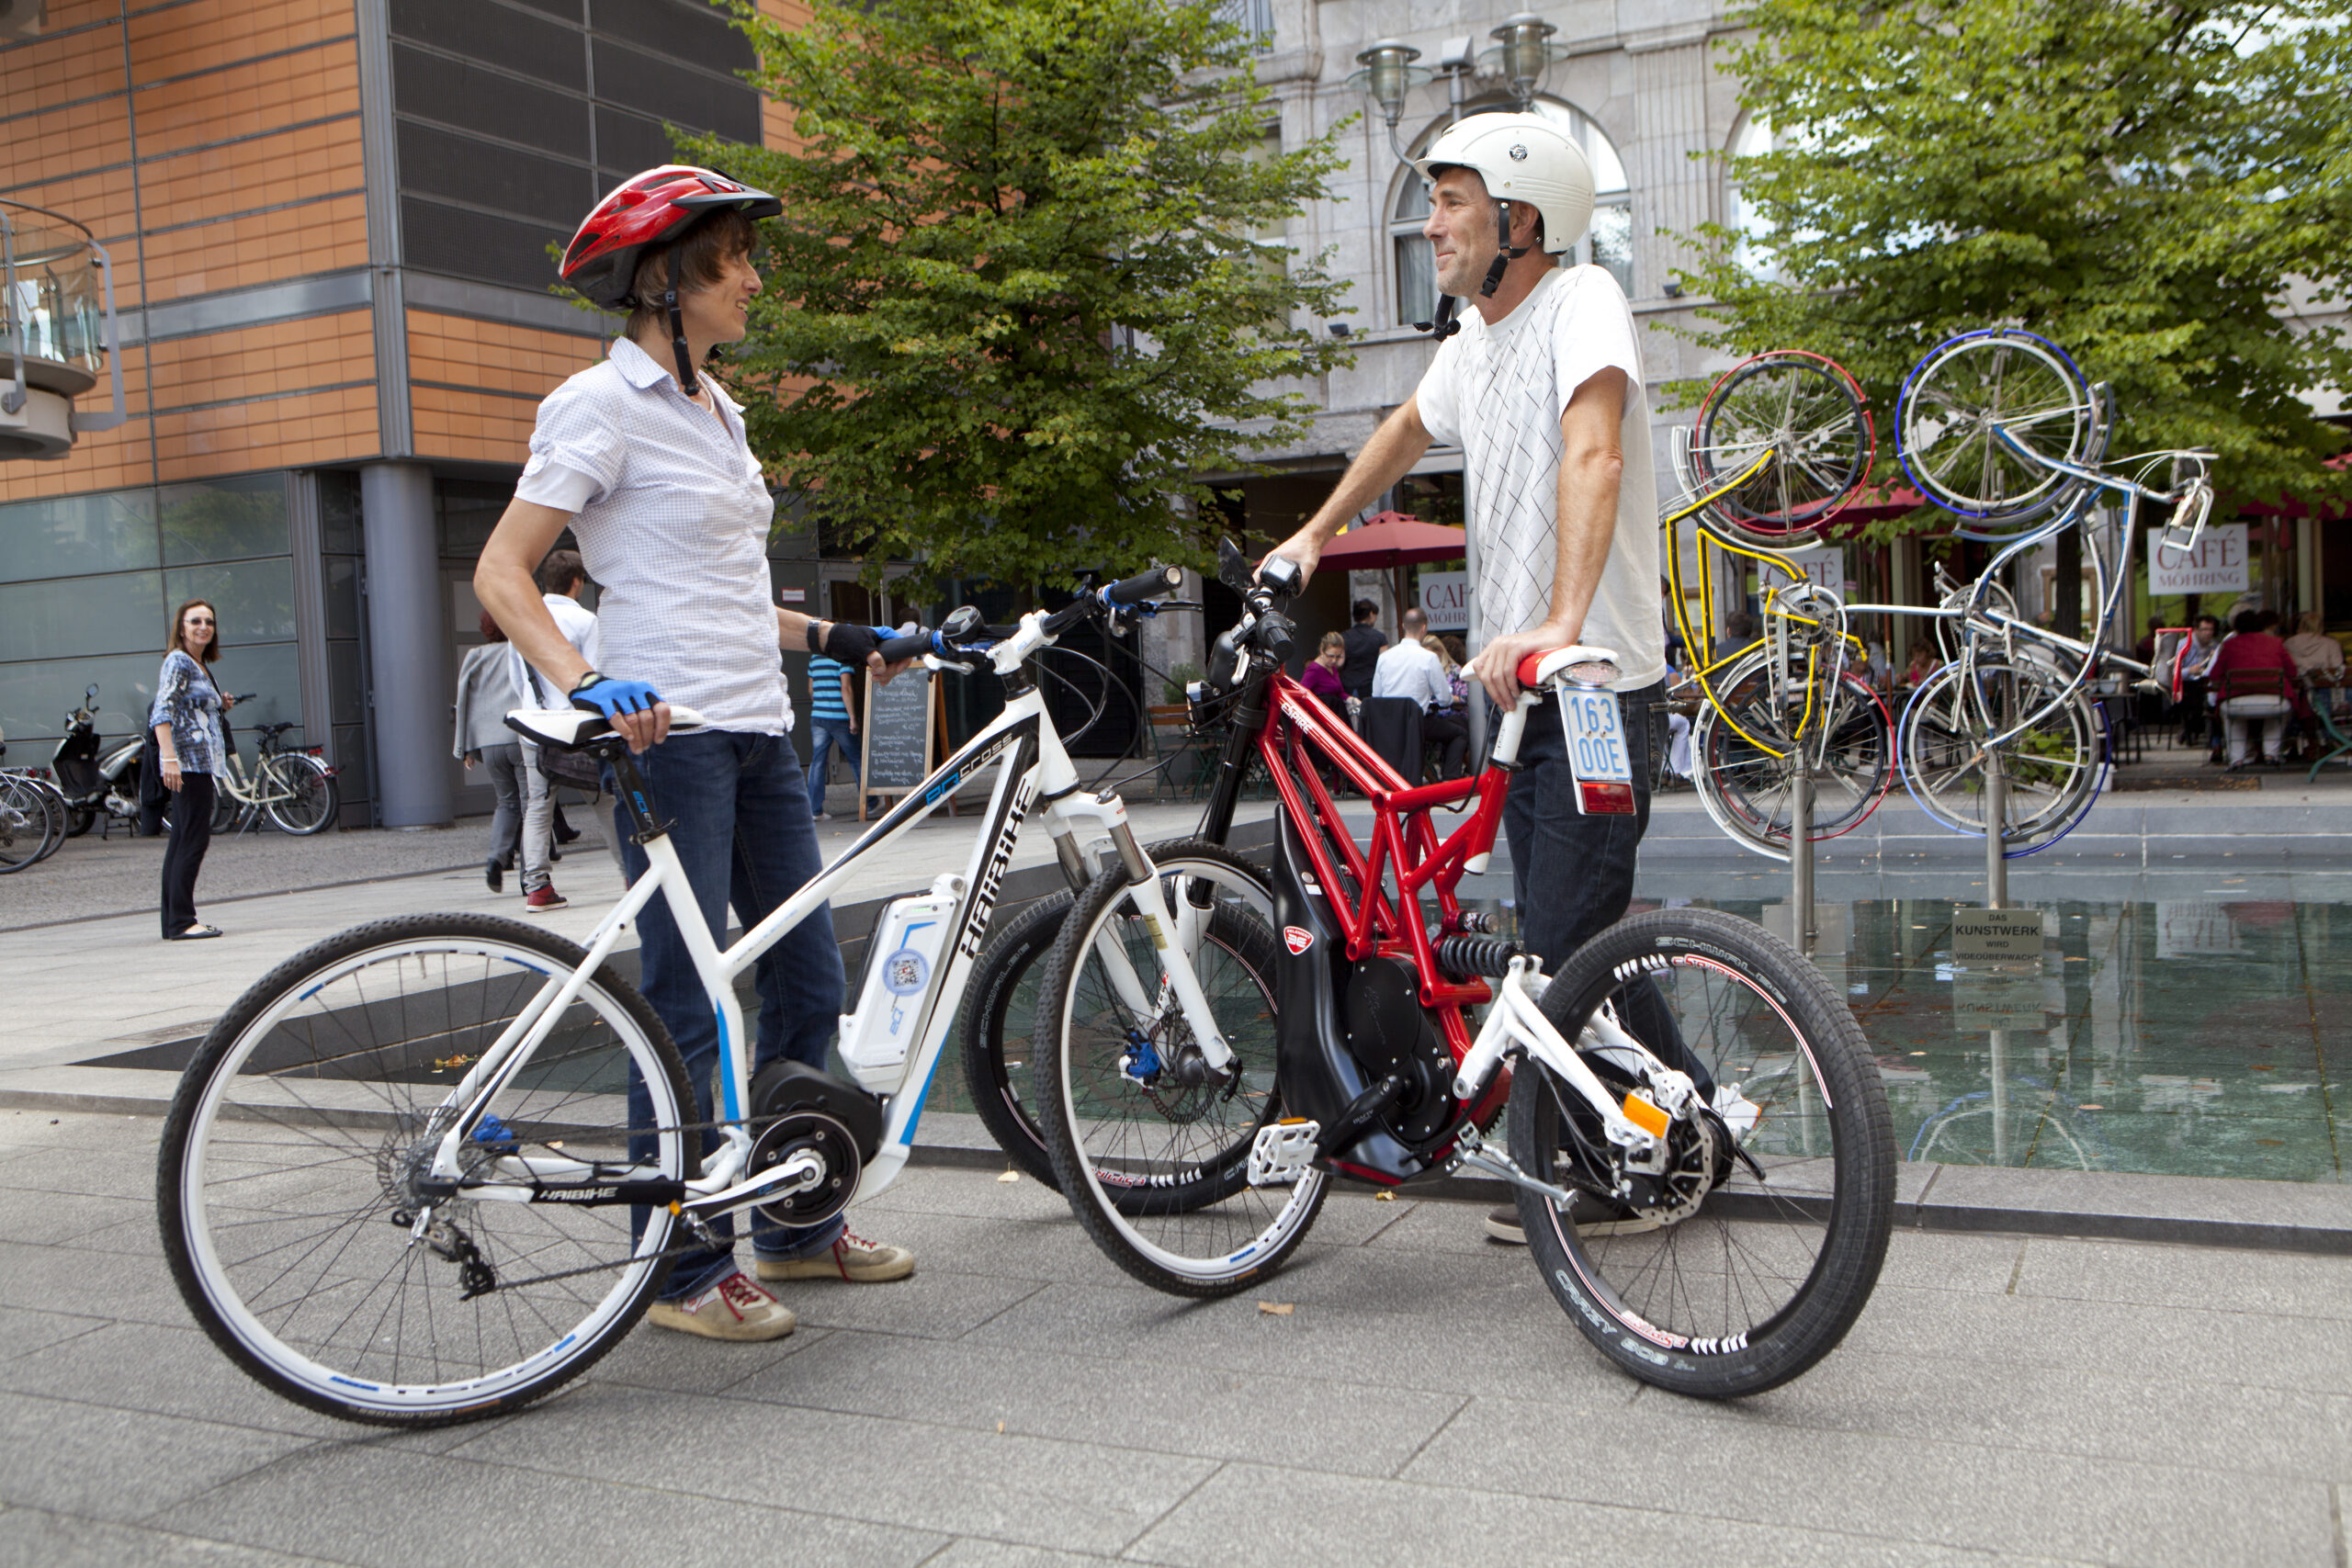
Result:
pixel 1158 582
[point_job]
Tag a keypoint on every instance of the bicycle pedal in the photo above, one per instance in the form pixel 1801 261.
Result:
pixel 1282 1151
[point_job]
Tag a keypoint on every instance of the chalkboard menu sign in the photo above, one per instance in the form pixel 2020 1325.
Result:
pixel 897 732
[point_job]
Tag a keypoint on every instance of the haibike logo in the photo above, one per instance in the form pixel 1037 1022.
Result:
pixel 578 1195
pixel 977 924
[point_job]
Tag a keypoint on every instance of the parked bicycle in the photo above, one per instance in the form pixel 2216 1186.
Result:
pixel 433 1168
pixel 1715 1237
pixel 32 817
pixel 295 789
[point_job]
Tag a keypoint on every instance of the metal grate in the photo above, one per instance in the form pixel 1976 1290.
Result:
pixel 686 31
pixel 481 173
pixel 476 244
pixel 675 93
pixel 457 92
pixel 481 29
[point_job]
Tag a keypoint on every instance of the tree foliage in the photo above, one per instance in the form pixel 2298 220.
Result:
pixel 2153 186
pixel 1021 293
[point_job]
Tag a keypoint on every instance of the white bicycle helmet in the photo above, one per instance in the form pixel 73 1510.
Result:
pixel 1522 157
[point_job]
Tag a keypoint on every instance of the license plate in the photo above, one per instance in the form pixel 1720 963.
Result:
pixel 1597 753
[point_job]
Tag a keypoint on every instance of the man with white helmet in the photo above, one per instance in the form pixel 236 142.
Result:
pixel 1540 382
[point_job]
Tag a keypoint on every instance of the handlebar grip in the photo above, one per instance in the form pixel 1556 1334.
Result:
pixel 896 650
pixel 1159 581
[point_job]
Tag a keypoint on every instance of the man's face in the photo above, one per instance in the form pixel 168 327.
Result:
pixel 1461 230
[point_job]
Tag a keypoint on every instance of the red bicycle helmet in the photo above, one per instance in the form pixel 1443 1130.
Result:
pixel 652 209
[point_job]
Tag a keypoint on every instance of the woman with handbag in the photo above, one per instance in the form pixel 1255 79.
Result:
pixel 2254 686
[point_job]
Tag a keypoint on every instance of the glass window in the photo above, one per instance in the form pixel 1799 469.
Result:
pixel 273 673
pixel 224 519
pixel 339 513
pixel 342 595
pixel 1609 242
pixel 254 599
pixel 34 698
pixel 78 534
pixel 122 612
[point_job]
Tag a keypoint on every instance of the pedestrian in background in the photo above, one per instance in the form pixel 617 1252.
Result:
pixel 2252 683
pixel 1364 642
pixel 186 722
pixel 560 579
pixel 832 728
pixel 487 692
pixel 2319 662
pixel 1322 675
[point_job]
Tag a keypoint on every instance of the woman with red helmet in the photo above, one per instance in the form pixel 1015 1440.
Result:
pixel 646 462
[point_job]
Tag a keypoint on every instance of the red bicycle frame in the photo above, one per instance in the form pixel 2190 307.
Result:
pixel 1405 846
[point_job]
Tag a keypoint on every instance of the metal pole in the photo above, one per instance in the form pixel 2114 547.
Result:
pixel 1802 922
pixel 1999 1040
pixel 1996 831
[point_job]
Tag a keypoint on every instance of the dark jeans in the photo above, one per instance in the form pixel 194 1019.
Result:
pixel 1572 876
pixel 828 735
pixel 739 810
pixel 191 811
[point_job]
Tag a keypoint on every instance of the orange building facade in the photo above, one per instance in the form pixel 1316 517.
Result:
pixel 329 222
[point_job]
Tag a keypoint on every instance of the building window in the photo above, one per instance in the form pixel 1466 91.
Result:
pixel 1751 248
pixel 1254 17
pixel 1609 242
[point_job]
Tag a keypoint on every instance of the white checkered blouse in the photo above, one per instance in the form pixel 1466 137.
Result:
pixel 673 519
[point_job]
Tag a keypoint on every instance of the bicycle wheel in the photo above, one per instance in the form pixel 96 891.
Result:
pixel 59 816
pixel 2054 770
pixel 1151 1146
pixel 25 826
pixel 999 1030
pixel 286 1184
pixel 1776 1247
pixel 1975 385
pixel 300 792
pixel 228 812
pixel 1749 793
pixel 1810 414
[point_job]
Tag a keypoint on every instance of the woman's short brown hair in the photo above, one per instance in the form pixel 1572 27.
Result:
pixel 704 250
pixel 179 617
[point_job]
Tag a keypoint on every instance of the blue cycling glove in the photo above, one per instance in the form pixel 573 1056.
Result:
pixel 613 698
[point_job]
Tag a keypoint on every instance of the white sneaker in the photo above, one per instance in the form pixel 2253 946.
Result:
pixel 734 1308
pixel 1739 1113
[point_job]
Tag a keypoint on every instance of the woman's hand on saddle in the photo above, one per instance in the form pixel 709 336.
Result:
pixel 634 709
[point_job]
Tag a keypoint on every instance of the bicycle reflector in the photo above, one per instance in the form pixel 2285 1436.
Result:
pixel 1599 797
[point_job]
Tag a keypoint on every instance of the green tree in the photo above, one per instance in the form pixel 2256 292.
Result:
pixel 1022 292
pixel 2147 184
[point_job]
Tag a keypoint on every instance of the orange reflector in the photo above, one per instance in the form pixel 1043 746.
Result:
pixel 1646 1116
pixel 1604 799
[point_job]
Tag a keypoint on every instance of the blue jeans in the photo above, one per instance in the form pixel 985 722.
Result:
pixel 828 735
pixel 1572 876
pixel 737 807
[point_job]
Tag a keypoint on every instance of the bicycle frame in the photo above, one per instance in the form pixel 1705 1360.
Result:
pixel 1405 846
pixel 1031 764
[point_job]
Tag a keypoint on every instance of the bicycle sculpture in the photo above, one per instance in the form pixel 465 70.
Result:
pixel 1714 1228
pixel 1998 427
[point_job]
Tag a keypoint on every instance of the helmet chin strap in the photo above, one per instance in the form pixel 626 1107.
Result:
pixel 1443 326
pixel 686 382
pixel 1505 254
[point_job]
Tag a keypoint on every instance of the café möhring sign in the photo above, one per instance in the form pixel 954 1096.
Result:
pixel 2216 564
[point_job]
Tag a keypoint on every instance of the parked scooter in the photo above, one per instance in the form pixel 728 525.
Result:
pixel 100 783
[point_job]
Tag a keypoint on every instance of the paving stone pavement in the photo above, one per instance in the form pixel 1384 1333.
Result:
pixel 1021 1401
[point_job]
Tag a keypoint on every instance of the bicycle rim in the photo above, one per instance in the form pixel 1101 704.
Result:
pixel 291 1145
pixel 1749 793
pixel 1957 397
pixel 24 825
pixel 301 794
pixel 1158 1171
pixel 1768 1265
pixel 1810 414
pixel 2053 772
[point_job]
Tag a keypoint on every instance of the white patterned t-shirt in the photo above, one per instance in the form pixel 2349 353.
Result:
pixel 1498 392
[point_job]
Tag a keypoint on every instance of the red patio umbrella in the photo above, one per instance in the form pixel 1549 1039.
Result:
pixel 1391 541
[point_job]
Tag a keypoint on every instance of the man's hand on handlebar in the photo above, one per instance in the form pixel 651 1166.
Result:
pixel 1303 549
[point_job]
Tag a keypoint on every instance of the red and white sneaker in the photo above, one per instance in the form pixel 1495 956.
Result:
pixel 733 1309
pixel 852 1259
pixel 541 899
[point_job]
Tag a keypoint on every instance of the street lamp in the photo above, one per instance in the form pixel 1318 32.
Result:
pixel 1523 50
pixel 1387 75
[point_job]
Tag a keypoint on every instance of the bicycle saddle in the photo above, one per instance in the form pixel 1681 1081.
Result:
pixel 567 730
pixel 1540 669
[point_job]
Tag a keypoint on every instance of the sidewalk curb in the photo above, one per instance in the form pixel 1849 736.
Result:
pixel 2140 1208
